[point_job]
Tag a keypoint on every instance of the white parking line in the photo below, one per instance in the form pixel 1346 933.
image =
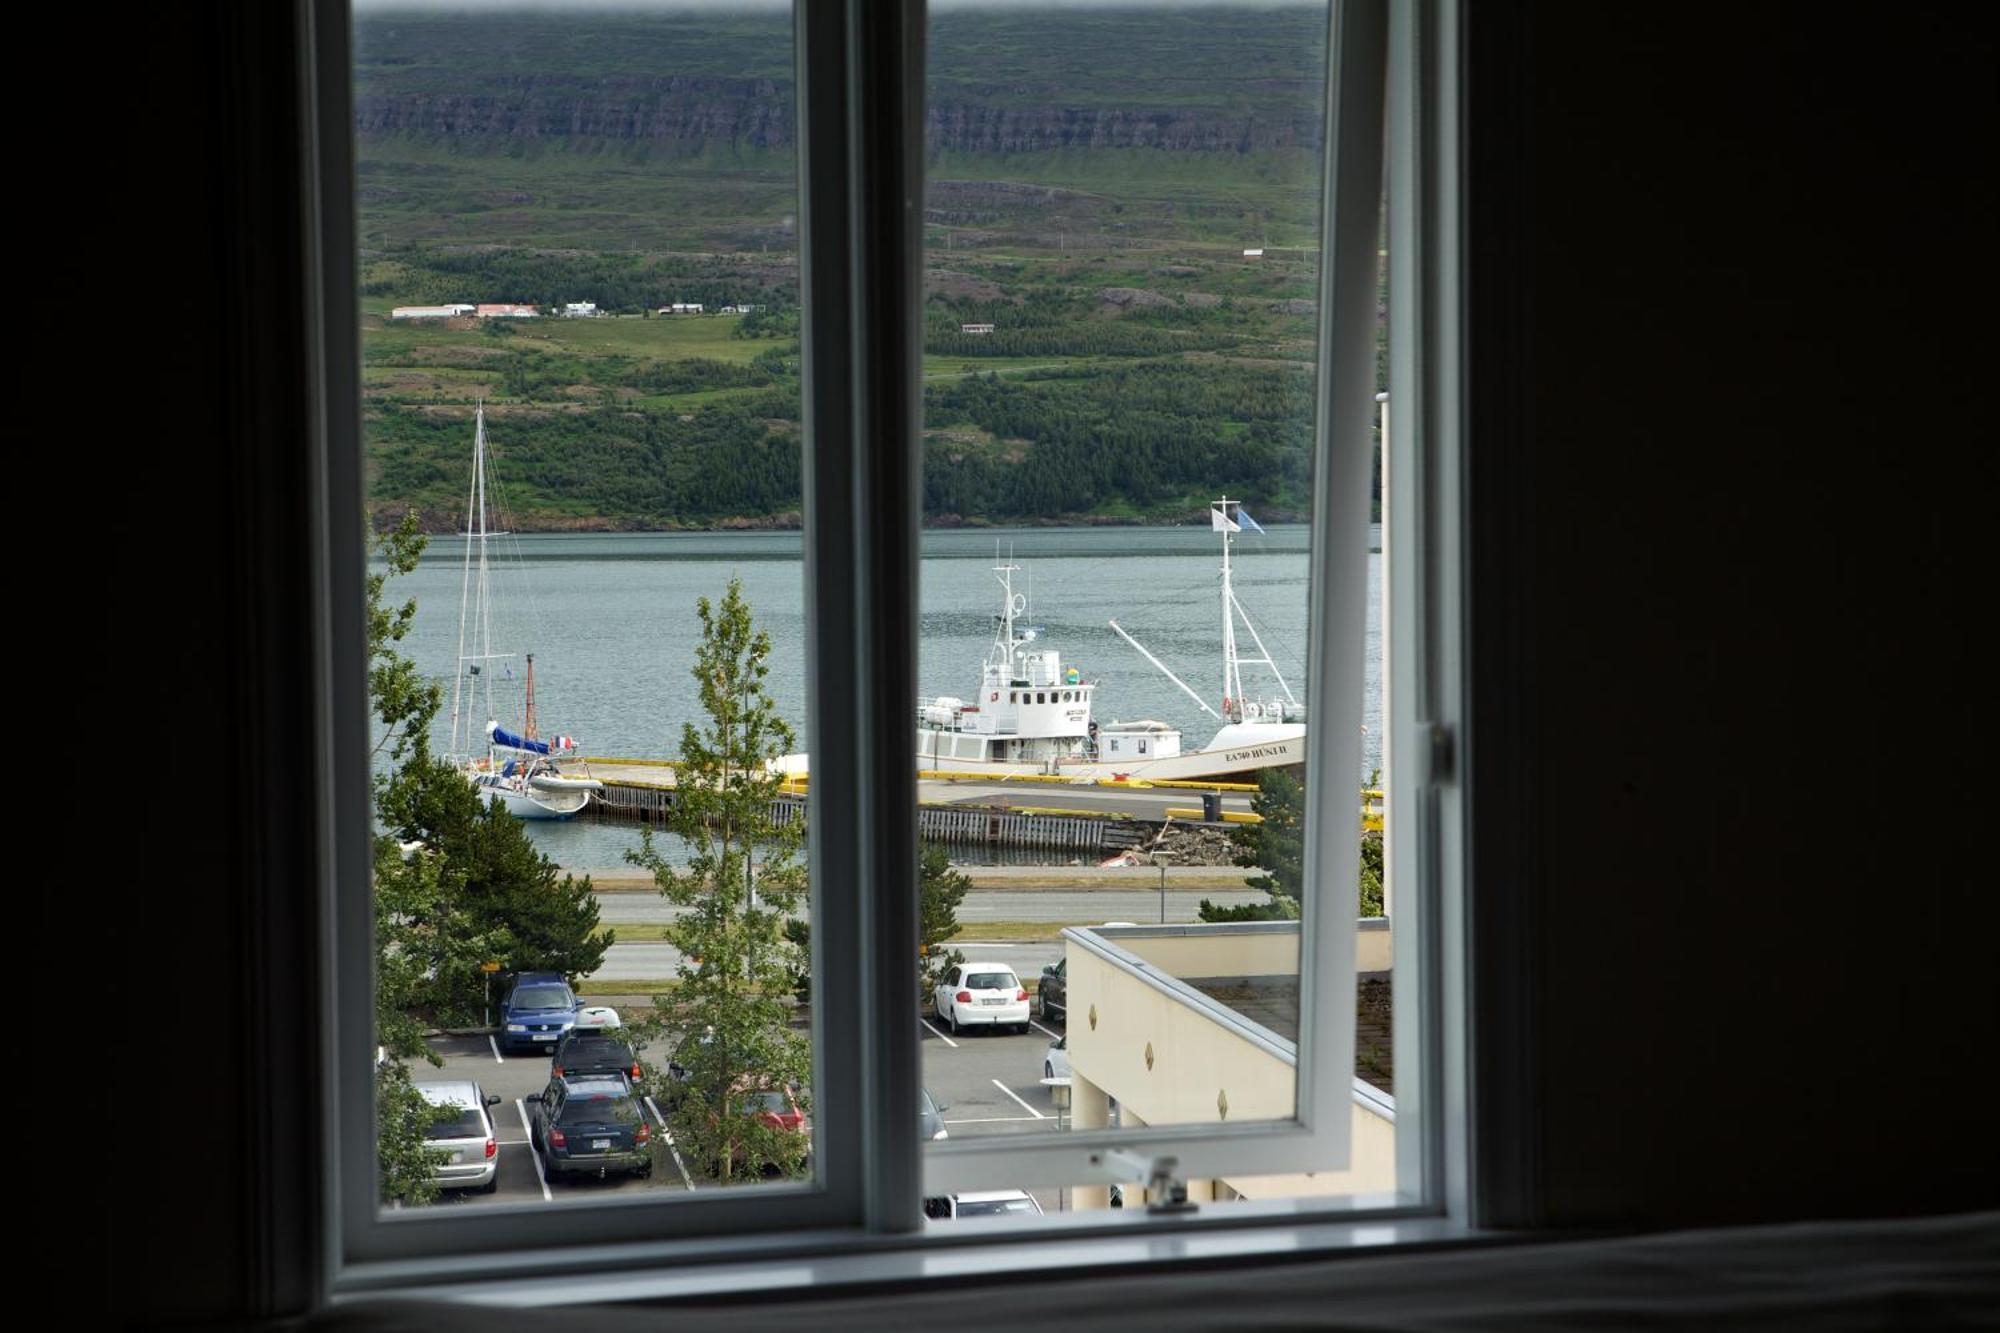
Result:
pixel 498 1059
pixel 1039 1028
pixel 998 1120
pixel 546 1196
pixel 1017 1101
pixel 940 1033
pixel 672 1147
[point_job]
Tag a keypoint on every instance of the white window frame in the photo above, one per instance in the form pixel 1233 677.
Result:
pixel 1319 1135
pixel 860 97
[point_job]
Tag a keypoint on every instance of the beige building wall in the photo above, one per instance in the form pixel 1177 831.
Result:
pixel 1373 1154
pixel 1262 955
pixel 1165 1062
pixel 1168 1059
pixel 1265 954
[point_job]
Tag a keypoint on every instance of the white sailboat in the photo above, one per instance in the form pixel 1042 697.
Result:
pixel 518 769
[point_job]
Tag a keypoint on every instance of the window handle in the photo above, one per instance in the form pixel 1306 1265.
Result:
pixel 1436 754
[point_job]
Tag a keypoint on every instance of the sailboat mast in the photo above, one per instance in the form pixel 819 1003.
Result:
pixel 465 584
pixel 485 606
pixel 529 724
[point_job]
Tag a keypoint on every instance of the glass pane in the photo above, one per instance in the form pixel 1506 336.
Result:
pixel 580 314
pixel 1122 278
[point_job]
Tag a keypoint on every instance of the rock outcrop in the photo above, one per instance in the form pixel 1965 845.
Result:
pixel 689 112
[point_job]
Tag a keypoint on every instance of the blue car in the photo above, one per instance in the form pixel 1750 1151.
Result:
pixel 536 1013
pixel 593 1123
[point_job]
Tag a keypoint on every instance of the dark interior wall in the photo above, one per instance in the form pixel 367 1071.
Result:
pixel 1729 556
pixel 1731 553
pixel 208 896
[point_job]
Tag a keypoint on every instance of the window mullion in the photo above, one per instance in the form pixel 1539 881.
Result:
pixel 862 173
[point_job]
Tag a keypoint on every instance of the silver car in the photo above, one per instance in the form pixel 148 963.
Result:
pixel 471 1151
pixel 1055 1063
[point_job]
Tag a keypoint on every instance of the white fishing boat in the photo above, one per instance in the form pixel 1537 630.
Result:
pixel 1032 714
pixel 517 768
pixel 1254 732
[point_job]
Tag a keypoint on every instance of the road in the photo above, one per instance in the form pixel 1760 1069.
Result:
pixel 654 962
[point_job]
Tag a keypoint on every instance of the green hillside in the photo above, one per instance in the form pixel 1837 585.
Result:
pixel 1094 179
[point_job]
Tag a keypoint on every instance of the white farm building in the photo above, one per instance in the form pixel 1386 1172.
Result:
pixel 580 310
pixel 681 308
pixel 430 312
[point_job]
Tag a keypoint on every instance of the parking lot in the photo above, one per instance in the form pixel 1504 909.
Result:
pixel 989 1083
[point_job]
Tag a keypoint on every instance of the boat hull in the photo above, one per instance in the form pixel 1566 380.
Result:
pixel 533 804
pixel 1240 763
pixel 1225 764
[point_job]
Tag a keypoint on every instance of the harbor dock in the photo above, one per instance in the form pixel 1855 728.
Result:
pixel 1088 818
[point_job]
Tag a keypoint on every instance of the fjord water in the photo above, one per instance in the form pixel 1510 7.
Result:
pixel 611 621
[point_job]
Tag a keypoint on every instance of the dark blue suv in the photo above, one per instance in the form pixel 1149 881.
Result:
pixel 591 1123
pixel 537 1011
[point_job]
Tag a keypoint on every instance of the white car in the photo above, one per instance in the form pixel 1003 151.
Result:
pixel 983 1203
pixel 981 995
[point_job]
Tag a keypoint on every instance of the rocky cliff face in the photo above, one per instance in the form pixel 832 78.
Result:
pixel 974 127
pixel 695 112
pixel 683 112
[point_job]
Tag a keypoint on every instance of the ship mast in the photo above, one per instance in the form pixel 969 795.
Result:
pixel 1004 642
pixel 1232 675
pixel 1226 517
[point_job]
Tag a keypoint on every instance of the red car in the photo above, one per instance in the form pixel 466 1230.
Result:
pixel 775 1107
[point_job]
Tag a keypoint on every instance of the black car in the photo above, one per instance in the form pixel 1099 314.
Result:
pixel 590 1124
pixel 594 1051
pixel 1052 996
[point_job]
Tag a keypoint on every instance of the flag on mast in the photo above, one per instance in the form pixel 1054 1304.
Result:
pixel 1221 522
pixel 1243 517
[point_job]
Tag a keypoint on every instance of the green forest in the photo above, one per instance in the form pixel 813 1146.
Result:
pixel 1094 181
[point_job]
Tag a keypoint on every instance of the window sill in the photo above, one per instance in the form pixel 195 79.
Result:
pixel 823 1262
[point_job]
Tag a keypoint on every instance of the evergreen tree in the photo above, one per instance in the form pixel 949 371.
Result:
pixel 405 891
pixel 1277 845
pixel 940 890
pixel 729 1015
